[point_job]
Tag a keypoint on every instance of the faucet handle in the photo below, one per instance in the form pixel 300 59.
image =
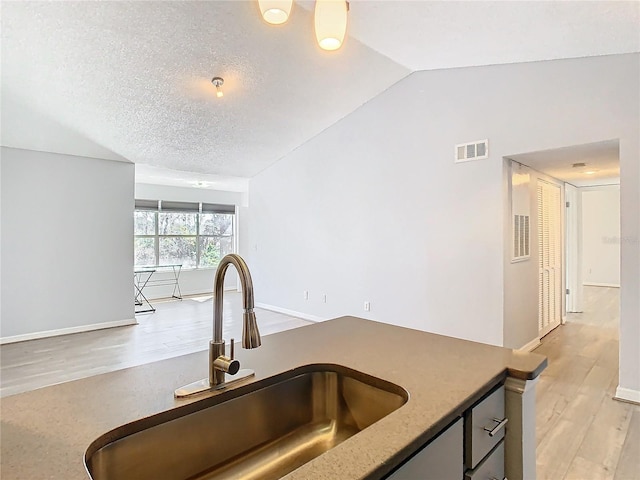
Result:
pixel 232 347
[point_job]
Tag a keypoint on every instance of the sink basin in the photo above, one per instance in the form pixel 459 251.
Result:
pixel 262 430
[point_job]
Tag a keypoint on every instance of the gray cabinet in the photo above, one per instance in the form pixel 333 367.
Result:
pixel 440 459
pixel 484 426
pixel 472 448
pixel 484 429
pixel 491 468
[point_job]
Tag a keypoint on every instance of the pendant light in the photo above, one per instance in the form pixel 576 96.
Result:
pixel 275 12
pixel 331 23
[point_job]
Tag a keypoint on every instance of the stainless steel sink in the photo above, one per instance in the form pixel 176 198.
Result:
pixel 263 430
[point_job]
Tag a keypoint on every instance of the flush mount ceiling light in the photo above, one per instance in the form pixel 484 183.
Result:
pixel 218 82
pixel 275 12
pixel 330 21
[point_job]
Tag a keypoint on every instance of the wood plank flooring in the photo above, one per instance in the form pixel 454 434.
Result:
pixel 582 433
pixel 176 328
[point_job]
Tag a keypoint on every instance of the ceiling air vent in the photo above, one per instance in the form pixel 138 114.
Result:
pixel 472 151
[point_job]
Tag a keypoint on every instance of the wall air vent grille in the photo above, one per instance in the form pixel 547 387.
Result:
pixel 521 237
pixel 466 152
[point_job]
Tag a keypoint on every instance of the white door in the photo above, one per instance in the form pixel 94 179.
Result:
pixel 573 248
pixel 550 257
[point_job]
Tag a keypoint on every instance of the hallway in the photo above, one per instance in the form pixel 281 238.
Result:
pixel 582 433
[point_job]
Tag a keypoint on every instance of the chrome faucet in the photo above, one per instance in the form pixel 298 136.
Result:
pixel 219 362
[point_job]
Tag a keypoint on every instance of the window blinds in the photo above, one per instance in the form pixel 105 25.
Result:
pixel 171 206
pixel 146 204
pixel 167 206
pixel 218 208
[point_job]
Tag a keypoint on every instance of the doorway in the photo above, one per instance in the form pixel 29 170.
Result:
pixel 540 290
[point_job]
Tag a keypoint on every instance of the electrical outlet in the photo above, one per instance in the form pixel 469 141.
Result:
pixel 306 294
pixel 367 306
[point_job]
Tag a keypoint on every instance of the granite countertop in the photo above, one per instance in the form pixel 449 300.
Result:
pixel 45 432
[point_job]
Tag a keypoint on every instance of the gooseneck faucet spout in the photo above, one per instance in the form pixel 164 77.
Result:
pixel 250 333
pixel 219 363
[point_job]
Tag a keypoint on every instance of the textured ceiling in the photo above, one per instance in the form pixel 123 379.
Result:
pixel 601 159
pixel 131 80
pixel 135 79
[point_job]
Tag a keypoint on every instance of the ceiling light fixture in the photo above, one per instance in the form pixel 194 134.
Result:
pixel 330 22
pixel 590 172
pixel 275 12
pixel 218 82
pixel 330 19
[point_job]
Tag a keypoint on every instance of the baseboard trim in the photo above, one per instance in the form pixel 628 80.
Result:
pixel 627 395
pixel 531 345
pixel 594 284
pixel 67 331
pixel 291 313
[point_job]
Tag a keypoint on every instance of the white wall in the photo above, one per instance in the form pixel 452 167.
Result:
pixel 601 236
pixel 67 253
pixel 629 381
pixel 192 281
pixel 375 209
pixel 183 194
pixel 573 248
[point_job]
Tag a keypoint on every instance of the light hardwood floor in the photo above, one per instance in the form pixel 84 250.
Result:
pixel 582 432
pixel 176 328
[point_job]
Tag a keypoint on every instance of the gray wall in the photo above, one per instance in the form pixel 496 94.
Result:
pixel 375 209
pixel 67 250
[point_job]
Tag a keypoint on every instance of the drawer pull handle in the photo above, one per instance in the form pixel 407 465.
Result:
pixel 498 427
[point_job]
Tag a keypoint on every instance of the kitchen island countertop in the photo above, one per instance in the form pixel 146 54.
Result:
pixel 45 432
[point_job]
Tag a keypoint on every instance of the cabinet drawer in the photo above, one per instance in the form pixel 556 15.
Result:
pixel 440 459
pixel 484 427
pixel 491 468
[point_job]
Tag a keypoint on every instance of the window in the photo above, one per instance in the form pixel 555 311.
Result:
pixel 215 238
pixel 196 235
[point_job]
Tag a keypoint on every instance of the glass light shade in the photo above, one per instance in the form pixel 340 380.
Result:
pixel 275 12
pixel 330 21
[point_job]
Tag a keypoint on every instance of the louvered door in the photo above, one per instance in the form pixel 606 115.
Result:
pixel 549 257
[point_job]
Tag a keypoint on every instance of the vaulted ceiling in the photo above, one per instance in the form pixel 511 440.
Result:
pixel 131 81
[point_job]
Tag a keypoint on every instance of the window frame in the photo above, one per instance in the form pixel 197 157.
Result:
pixel 156 236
